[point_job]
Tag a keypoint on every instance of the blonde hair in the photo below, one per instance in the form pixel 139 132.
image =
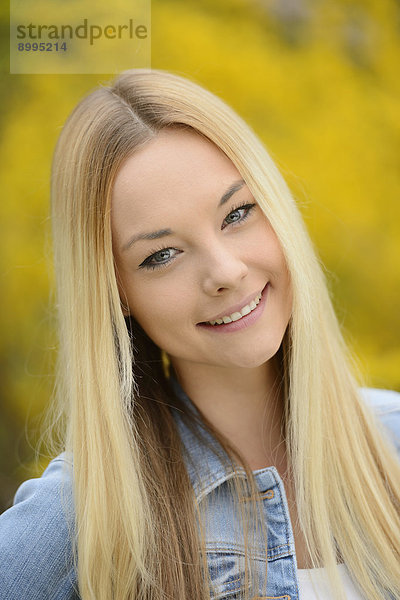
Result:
pixel 128 467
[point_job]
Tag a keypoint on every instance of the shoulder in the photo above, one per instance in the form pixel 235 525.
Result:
pixel 386 406
pixel 35 538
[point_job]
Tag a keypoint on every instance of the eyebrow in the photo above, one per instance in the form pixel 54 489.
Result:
pixel 154 235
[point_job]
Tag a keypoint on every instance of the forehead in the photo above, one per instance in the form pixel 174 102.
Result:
pixel 174 167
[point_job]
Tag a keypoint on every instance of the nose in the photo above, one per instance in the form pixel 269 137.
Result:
pixel 222 268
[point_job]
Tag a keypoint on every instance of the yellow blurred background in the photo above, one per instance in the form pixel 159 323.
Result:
pixel 317 81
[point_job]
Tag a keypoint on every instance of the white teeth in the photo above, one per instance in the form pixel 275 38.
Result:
pixel 238 315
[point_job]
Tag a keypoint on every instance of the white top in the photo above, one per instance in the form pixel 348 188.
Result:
pixel 313 584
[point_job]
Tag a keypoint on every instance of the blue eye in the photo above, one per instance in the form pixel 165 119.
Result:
pixel 238 215
pixel 161 257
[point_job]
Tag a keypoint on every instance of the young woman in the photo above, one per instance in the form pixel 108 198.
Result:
pixel 218 443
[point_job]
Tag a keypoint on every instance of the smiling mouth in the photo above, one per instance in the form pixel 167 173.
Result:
pixel 236 316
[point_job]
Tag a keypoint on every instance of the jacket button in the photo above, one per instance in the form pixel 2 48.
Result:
pixel 268 495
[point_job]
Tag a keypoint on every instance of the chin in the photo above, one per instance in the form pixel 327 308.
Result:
pixel 253 360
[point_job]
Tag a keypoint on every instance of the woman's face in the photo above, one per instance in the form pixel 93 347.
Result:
pixel 191 246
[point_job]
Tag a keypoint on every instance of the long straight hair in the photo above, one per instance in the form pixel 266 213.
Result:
pixel 128 460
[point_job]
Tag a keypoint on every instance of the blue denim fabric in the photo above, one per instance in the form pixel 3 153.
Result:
pixel 35 533
pixel 224 544
pixel 35 548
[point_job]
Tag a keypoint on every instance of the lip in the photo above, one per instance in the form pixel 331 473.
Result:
pixel 236 308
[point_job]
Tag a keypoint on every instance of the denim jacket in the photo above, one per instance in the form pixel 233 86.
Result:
pixel 35 550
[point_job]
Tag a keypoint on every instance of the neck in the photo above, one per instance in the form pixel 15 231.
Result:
pixel 245 405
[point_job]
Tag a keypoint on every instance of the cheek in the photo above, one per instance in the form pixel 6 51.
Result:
pixel 160 307
pixel 274 251
pixel 264 239
pixel 277 265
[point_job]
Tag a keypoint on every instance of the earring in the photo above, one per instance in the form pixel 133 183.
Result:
pixel 166 363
